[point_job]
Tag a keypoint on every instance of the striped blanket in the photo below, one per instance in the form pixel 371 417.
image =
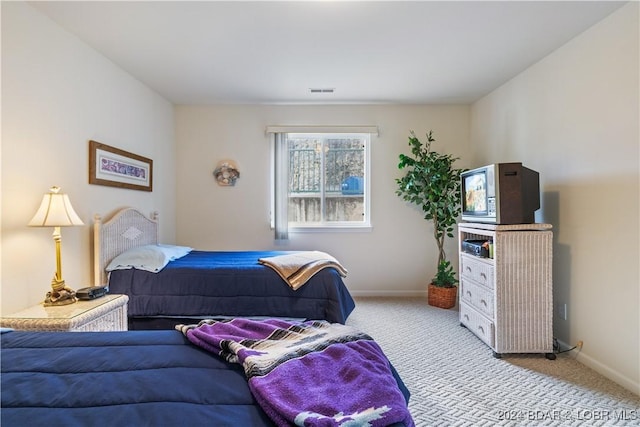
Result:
pixel 298 267
pixel 308 373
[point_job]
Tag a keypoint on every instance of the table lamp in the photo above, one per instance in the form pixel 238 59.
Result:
pixel 56 211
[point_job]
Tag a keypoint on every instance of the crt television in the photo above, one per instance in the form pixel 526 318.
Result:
pixel 501 193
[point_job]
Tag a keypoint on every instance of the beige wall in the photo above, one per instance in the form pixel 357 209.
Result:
pixel 57 94
pixel 398 256
pixel 574 117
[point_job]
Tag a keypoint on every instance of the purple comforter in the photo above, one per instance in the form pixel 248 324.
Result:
pixel 308 374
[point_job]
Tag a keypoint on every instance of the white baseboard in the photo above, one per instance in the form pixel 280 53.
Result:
pixel 403 294
pixel 605 370
pixel 612 374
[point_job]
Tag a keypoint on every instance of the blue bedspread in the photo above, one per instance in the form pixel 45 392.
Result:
pixel 210 284
pixel 135 378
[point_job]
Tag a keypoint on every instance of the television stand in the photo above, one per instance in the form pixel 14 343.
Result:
pixel 506 297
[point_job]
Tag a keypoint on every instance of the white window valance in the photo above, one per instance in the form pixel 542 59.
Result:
pixel 371 129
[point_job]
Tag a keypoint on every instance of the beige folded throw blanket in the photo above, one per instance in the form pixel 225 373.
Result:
pixel 298 267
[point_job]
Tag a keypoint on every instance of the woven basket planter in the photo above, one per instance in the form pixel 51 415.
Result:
pixel 442 297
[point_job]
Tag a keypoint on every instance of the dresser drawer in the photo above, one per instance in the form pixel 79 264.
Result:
pixel 478 324
pixel 476 270
pixel 477 296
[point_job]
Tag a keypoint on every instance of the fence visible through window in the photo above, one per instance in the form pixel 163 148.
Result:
pixel 326 179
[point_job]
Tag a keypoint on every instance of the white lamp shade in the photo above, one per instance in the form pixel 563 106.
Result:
pixel 55 211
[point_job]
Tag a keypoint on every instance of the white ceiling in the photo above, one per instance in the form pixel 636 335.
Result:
pixel 213 52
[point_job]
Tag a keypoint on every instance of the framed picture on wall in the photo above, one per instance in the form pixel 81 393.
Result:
pixel 114 167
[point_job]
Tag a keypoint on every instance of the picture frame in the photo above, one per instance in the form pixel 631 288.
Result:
pixel 114 167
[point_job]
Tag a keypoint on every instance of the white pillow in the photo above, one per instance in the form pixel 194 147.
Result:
pixel 151 258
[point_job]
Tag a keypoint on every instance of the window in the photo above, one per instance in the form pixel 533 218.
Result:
pixel 326 179
pixel 321 180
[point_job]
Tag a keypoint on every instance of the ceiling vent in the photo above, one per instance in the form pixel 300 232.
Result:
pixel 322 90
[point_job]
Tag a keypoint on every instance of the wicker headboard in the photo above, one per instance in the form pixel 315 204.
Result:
pixel 128 228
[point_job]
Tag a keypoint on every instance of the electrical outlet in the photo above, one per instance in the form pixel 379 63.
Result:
pixel 561 310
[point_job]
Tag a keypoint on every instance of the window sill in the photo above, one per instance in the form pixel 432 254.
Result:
pixel 331 229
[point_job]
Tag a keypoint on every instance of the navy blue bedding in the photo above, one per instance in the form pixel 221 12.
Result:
pixel 131 378
pixel 211 284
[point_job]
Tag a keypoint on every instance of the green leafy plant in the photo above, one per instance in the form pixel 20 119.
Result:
pixel 432 183
pixel 445 277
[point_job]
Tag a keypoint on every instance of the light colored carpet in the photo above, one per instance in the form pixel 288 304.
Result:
pixel 455 380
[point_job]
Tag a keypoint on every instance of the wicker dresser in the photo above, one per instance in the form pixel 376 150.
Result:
pixel 108 313
pixel 506 296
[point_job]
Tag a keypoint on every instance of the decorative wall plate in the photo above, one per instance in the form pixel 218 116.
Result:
pixel 226 173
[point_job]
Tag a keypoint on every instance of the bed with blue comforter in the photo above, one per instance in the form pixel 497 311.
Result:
pixel 228 373
pixel 206 284
pixel 218 284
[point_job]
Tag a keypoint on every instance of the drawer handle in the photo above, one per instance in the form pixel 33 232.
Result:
pixel 466 316
pixel 481 329
pixel 484 302
pixel 469 293
pixel 468 268
pixel 484 276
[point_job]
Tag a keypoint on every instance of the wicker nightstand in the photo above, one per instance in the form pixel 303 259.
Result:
pixel 108 313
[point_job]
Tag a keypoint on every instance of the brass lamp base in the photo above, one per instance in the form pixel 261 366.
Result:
pixel 60 294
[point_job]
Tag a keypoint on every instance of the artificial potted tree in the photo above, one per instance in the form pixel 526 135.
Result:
pixel 433 183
